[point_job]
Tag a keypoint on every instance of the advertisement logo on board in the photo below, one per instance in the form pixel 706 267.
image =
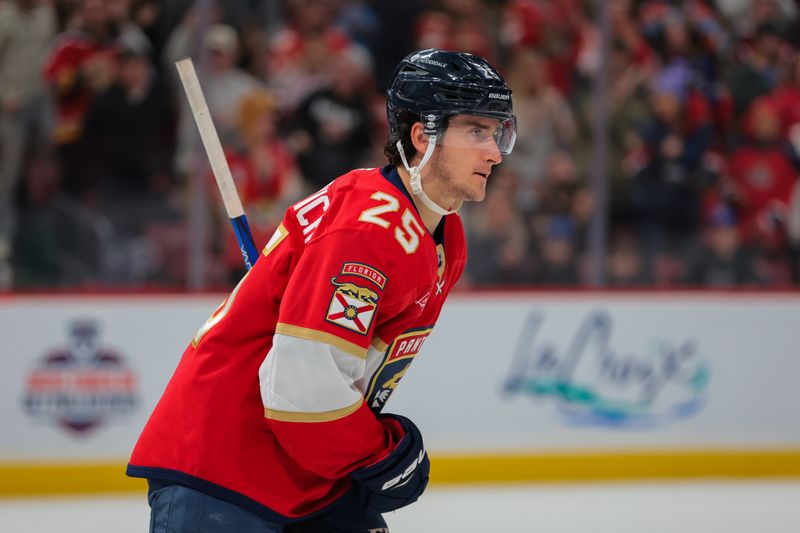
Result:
pixel 80 385
pixel 591 382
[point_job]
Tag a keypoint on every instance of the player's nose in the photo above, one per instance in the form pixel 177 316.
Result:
pixel 492 152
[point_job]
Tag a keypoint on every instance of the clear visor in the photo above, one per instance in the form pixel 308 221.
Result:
pixel 475 131
pixel 506 135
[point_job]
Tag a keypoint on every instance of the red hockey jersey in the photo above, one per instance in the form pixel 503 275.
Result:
pixel 273 404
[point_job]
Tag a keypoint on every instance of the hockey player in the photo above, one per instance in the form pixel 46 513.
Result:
pixel 272 420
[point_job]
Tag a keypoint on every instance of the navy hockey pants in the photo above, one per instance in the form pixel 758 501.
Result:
pixel 179 509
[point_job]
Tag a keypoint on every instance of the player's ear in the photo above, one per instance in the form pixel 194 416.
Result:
pixel 418 137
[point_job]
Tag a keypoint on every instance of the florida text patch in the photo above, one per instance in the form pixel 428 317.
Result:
pixel 365 271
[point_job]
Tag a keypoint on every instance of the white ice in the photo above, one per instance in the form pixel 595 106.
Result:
pixel 701 507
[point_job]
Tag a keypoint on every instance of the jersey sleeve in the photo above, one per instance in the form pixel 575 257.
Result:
pixel 341 288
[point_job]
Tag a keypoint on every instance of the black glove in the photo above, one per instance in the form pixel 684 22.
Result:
pixel 400 478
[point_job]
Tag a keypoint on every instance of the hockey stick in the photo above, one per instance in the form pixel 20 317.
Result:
pixel 216 157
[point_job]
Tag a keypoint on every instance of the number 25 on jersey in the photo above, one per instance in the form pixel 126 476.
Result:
pixel 408 234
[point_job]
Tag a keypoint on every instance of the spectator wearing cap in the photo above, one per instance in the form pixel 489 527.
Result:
pixel 224 87
pixel 180 40
pixel 227 84
pixel 666 188
pixel 129 126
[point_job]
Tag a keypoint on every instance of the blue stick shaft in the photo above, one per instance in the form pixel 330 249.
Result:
pixel 245 238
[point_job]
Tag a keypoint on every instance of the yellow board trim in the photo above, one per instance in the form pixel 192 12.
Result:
pixel 321 336
pixel 26 479
pixel 50 479
pixel 325 416
pixel 622 465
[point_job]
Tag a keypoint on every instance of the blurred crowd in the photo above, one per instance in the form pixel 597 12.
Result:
pixel 100 163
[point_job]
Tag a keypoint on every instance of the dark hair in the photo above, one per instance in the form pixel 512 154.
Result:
pixel 405 120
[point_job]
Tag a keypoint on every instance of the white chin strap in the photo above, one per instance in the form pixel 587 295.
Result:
pixel 416 177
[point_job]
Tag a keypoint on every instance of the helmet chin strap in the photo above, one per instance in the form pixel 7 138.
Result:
pixel 416 177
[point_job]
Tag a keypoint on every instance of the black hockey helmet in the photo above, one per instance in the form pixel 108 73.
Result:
pixel 435 84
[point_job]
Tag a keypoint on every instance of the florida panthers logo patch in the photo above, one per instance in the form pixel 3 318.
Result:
pixel 352 306
pixel 396 361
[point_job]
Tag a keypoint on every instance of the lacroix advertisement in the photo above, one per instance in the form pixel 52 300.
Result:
pixel 498 372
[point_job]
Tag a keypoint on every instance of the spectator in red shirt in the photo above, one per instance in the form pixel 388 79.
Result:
pixel 265 173
pixel 786 99
pixel 82 64
pixel 764 175
pixel 557 30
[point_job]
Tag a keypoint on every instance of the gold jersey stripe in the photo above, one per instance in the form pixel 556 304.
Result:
pixel 321 336
pixel 379 344
pixel 325 416
pixel 277 238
